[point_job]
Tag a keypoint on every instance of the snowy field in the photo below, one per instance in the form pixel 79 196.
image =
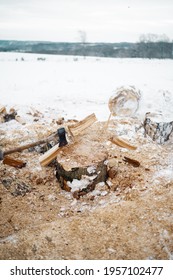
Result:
pixel 74 87
pixel 134 214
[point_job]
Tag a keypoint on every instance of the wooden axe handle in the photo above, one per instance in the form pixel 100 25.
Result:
pixel 27 146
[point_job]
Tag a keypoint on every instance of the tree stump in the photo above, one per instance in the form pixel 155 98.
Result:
pixel 158 127
pixel 81 180
pixel 81 165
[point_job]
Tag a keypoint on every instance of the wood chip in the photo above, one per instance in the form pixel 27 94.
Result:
pixel 131 161
pixel 2 109
pixel 121 143
pixel 14 162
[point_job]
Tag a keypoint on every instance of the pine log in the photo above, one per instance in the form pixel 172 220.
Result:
pixel 98 174
pixel 158 127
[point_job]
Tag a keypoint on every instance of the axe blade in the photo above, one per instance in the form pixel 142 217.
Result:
pixel 62 137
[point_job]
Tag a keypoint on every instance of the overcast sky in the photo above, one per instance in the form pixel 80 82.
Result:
pixel 102 20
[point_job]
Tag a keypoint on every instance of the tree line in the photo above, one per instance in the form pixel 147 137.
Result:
pixel 148 46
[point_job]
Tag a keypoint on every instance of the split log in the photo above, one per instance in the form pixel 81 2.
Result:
pixel 94 174
pixel 82 125
pixel 122 143
pixel 158 127
pixel 49 156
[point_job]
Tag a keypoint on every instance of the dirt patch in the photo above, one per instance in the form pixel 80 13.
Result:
pixel 130 217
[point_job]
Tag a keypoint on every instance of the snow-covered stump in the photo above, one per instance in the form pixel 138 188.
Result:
pixel 158 127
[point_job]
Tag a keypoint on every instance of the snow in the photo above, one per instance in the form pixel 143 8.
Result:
pixel 91 169
pixel 74 87
pixel 77 185
pixel 165 173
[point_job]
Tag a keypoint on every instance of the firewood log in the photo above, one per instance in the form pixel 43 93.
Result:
pixel 82 125
pixel 49 156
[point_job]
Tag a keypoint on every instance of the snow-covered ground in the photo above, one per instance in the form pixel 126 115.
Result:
pixel 74 87
pixel 141 197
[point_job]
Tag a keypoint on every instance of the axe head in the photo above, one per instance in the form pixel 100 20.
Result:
pixel 62 137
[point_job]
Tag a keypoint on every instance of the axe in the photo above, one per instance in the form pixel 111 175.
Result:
pixel 61 133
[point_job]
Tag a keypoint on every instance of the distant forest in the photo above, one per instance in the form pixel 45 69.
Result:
pixel 142 49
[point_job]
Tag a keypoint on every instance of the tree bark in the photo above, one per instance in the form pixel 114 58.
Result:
pixel 158 127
